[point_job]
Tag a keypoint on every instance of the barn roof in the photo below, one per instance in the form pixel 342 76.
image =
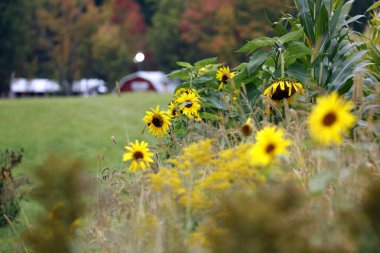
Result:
pixel 157 78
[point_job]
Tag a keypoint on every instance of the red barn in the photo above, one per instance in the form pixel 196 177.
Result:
pixel 144 81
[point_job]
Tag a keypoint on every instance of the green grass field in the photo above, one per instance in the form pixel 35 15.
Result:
pixel 79 126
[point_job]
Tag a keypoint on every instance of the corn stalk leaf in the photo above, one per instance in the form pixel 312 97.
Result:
pixel 305 17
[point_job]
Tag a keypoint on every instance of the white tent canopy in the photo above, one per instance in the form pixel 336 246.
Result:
pixel 38 85
pixel 87 86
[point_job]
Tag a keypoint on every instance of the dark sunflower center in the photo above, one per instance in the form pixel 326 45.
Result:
pixel 270 148
pixel 138 155
pixel 246 130
pixel 280 94
pixel 225 77
pixel 157 121
pixel 189 104
pixel 329 119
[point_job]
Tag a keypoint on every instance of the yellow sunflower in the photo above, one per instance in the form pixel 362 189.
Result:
pixel 139 154
pixel 173 110
pixel 201 71
pixel 270 142
pixel 283 88
pixel 223 74
pixel 246 128
pixel 158 122
pixel 197 117
pixel 180 91
pixel 330 119
pixel 189 104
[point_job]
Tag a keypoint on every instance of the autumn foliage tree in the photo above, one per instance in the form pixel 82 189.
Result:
pixel 217 26
pixel 127 14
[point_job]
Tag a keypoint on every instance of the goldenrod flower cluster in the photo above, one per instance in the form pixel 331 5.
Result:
pixel 167 181
pixel 200 174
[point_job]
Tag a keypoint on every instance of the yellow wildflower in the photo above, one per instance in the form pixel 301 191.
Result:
pixel 139 154
pixel 189 104
pixel 270 143
pixel 330 118
pixel 158 122
pixel 224 74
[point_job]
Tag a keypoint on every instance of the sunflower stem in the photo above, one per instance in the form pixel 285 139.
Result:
pixel 282 65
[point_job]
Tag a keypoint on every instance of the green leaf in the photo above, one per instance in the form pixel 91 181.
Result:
pixel 204 62
pixel 216 103
pixel 305 17
pixel 339 17
pixel 257 60
pixel 257 43
pixel 184 64
pixel 291 36
pixel 328 5
pixel 352 20
pixel 184 85
pixel 374 6
pixel 296 50
pixel 181 132
pixel 322 22
pixel 202 80
pixel 209 116
pixel 180 73
pixel 344 71
pixel 299 72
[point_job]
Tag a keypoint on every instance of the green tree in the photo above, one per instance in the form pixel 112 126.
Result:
pixel 148 9
pixel 15 43
pixel 57 24
pixel 164 34
pixel 112 56
pixel 87 27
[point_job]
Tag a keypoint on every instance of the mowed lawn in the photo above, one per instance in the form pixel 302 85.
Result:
pixel 81 127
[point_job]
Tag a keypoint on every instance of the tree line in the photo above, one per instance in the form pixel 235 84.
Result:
pixel 73 39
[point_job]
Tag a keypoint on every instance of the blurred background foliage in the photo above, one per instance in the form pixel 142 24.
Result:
pixel 73 39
